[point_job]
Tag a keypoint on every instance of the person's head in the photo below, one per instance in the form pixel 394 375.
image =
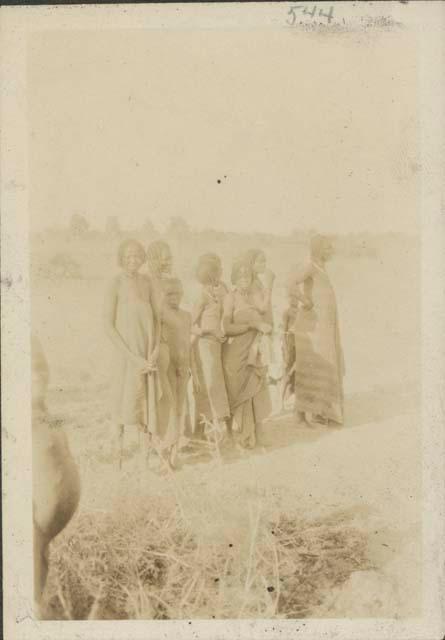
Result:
pixel 160 259
pixel 131 256
pixel 242 275
pixel 256 260
pixel 209 269
pixel 213 258
pixel 321 248
pixel 173 293
pixel 210 257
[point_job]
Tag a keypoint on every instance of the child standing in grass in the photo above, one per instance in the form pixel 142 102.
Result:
pixel 180 365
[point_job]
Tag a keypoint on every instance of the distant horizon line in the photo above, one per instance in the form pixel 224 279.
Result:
pixel 193 230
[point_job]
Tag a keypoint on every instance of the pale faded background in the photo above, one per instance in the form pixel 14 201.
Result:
pixel 374 462
pixel 303 131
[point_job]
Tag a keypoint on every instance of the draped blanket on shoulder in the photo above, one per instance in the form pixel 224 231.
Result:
pixel 319 363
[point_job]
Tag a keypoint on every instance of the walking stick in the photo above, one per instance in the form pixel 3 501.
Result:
pixel 152 413
pixel 151 395
pixel 121 445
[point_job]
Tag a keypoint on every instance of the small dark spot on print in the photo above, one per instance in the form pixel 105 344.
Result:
pixel 218 181
pixel 230 545
pixel 216 579
pixel 271 589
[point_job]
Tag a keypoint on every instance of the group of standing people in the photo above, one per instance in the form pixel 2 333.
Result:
pixel 224 345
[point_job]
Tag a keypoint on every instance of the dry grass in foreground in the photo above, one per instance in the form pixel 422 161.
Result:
pixel 144 561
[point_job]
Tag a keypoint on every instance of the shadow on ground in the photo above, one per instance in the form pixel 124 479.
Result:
pixel 280 431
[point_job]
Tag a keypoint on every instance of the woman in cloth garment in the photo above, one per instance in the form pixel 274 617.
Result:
pixel 132 325
pixel 319 363
pixel 262 286
pixel 159 260
pixel 211 400
pixel 242 355
pixel 263 280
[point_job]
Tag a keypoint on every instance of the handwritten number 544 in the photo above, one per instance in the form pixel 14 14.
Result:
pixel 306 11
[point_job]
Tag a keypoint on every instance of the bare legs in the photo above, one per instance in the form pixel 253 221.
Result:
pixel 301 417
pixel 305 418
pixel 144 444
pixel 285 386
pixel 179 380
pixel 314 419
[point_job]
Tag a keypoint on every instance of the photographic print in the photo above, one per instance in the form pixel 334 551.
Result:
pixel 224 292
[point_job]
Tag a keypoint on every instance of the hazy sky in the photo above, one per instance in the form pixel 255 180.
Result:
pixel 310 131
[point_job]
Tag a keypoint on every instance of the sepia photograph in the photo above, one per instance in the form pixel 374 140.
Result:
pixel 224 298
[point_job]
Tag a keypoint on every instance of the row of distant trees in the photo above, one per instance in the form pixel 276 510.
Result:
pixel 79 236
pixel 178 231
pixel 79 226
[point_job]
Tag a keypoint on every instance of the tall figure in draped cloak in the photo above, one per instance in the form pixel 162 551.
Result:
pixel 245 371
pixel 319 362
pixel 133 328
pixel 211 402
